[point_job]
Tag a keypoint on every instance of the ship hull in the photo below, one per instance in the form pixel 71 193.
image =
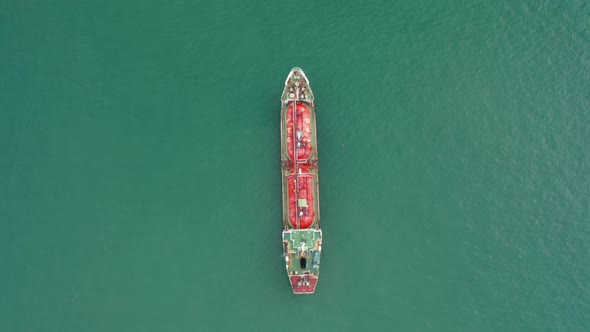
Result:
pixel 302 235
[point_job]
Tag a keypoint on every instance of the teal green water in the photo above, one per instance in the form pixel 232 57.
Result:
pixel 140 175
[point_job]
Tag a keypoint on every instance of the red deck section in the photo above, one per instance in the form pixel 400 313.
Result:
pixel 300 284
pixel 304 214
pixel 303 125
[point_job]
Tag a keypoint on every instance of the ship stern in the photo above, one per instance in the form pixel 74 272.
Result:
pixel 302 251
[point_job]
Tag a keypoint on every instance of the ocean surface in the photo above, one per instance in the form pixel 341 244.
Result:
pixel 140 184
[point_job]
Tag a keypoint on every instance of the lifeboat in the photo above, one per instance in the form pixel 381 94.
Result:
pixel 302 132
pixel 301 198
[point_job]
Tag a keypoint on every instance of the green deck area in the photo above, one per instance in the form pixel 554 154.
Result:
pixel 308 241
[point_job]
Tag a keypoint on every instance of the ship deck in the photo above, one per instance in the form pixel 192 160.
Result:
pixel 302 237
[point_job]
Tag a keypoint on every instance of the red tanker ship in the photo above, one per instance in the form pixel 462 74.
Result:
pixel 302 235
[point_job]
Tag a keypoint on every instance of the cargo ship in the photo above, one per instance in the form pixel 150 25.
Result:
pixel 302 235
